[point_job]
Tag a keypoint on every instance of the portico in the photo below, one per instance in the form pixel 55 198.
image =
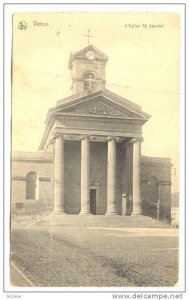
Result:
pixel 86 142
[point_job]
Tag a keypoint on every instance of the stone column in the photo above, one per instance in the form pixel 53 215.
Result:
pixel 59 174
pixel 85 180
pixel 137 203
pixel 111 177
pixel 129 178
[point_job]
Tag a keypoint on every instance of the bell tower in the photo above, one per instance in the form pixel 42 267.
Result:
pixel 88 70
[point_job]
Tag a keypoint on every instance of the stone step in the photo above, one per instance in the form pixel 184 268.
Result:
pixel 59 219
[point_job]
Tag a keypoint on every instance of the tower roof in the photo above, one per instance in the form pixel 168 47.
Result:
pixel 81 54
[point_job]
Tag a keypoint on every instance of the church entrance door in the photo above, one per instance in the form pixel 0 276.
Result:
pixel 93 201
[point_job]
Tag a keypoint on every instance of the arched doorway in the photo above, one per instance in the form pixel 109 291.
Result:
pixel 153 190
pixel 153 196
pixel 31 185
pixel 150 192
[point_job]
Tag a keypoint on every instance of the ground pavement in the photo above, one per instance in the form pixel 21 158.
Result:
pixel 67 255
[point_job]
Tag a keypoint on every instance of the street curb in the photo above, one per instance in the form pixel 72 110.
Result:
pixel 29 282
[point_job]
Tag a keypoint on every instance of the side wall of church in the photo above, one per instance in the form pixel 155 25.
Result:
pixel 38 165
pixel 156 186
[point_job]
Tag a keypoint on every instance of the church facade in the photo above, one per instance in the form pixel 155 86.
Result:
pixel 89 160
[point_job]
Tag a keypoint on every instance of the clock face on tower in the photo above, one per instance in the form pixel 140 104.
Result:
pixel 90 55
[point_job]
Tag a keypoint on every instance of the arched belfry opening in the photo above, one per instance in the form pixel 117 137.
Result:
pixel 32 185
pixel 89 81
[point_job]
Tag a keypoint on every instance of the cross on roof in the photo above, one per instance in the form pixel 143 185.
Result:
pixel 88 36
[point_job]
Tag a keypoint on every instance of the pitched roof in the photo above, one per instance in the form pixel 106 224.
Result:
pixel 84 96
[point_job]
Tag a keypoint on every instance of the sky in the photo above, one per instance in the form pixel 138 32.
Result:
pixel 143 67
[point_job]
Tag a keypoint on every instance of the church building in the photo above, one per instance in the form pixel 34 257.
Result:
pixel 89 159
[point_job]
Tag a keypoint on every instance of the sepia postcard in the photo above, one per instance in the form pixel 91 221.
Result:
pixel 96 202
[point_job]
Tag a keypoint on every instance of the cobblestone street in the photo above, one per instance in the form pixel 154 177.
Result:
pixel 67 256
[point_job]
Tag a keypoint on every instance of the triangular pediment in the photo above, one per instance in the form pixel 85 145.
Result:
pixel 111 110
pixel 102 104
pixel 97 108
